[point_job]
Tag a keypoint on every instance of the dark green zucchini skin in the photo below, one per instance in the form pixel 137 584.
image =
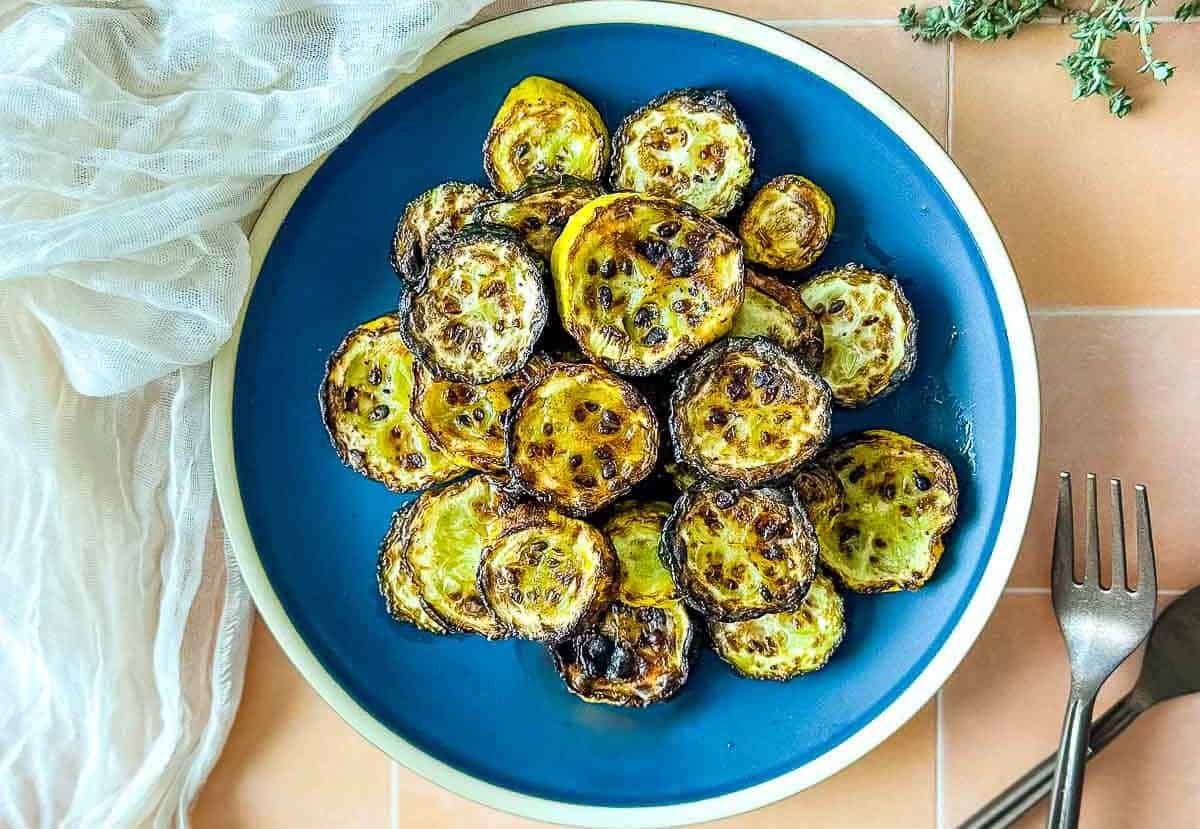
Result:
pixel 716 100
pixel 674 553
pixel 441 247
pixel 555 218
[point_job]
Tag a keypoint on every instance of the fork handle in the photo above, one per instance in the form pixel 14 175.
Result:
pixel 1008 806
pixel 1067 791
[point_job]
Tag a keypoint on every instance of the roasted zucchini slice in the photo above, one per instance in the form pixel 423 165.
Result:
pixel 689 145
pixel 544 128
pixel 540 209
pixel 737 554
pixel 468 421
pixel 635 530
pixel 870 332
pixel 643 281
pixel 396 583
pixel 448 530
pixel 549 576
pixel 787 224
pixel 683 476
pixel 480 306
pixel 366 403
pixel 581 437
pixel 435 214
pixel 776 311
pixel 880 502
pixel 634 657
pixel 784 645
pixel 747 411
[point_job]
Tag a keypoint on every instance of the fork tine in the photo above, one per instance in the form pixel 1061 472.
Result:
pixel 1091 559
pixel 1147 578
pixel 1064 535
pixel 1118 536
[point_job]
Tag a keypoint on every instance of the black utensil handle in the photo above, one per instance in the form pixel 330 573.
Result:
pixel 1008 806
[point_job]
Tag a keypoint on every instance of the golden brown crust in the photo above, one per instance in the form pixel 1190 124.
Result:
pixel 395 578
pixel 787 225
pixel 777 311
pixel 747 412
pixel 540 209
pixel 643 282
pixel 739 554
pixel 435 214
pixel 366 405
pixel 580 437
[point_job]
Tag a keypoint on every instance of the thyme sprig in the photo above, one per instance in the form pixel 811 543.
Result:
pixel 1089 66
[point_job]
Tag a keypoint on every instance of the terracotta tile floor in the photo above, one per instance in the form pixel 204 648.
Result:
pixel 1098 216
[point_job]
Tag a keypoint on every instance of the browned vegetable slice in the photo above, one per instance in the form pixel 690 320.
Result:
pixel 776 311
pixel 435 214
pixel 448 530
pixel 548 577
pixel 881 503
pixel 480 307
pixel 643 281
pixel 544 128
pixel 635 530
pixel 540 209
pixel 737 554
pixel 366 403
pixel 870 332
pixel 467 421
pixel 787 224
pixel 634 657
pixel 396 583
pixel 784 645
pixel 689 145
pixel 580 437
pixel 747 412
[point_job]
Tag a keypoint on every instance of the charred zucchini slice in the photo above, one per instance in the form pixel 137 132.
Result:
pixel 540 209
pixel 683 475
pixel 747 412
pixel 643 281
pixel 787 224
pixel 784 645
pixel 544 128
pixel 880 502
pixel 870 332
pixel 435 214
pixel 776 311
pixel 396 583
pixel 738 554
pixel 634 657
pixel 480 307
pixel 635 531
pixel 467 421
pixel 581 437
pixel 548 577
pixel 689 145
pixel 448 530
pixel 366 403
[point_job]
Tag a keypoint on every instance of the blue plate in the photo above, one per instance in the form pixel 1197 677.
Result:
pixel 496 712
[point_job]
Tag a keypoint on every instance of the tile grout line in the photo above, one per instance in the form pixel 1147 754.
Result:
pixel 939 767
pixel 830 22
pixel 950 98
pixel 1045 591
pixel 394 795
pixel 1111 311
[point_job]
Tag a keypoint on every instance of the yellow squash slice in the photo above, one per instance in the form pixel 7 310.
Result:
pixel 366 403
pixel 580 437
pixel 689 145
pixel 643 281
pixel 544 128
pixel 870 333
pixel 396 583
pixel 540 209
pixel 880 502
pixel 787 224
pixel 784 645
pixel 435 214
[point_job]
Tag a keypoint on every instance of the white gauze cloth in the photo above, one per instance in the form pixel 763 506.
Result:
pixel 133 138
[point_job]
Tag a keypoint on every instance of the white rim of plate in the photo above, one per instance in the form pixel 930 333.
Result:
pixel 1016 510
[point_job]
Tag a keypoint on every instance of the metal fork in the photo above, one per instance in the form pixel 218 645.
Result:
pixel 1101 626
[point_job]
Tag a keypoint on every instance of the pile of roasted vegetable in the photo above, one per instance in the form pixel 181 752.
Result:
pixel 649 416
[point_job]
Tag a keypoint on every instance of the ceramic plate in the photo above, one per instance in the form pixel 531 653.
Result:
pixel 491 721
